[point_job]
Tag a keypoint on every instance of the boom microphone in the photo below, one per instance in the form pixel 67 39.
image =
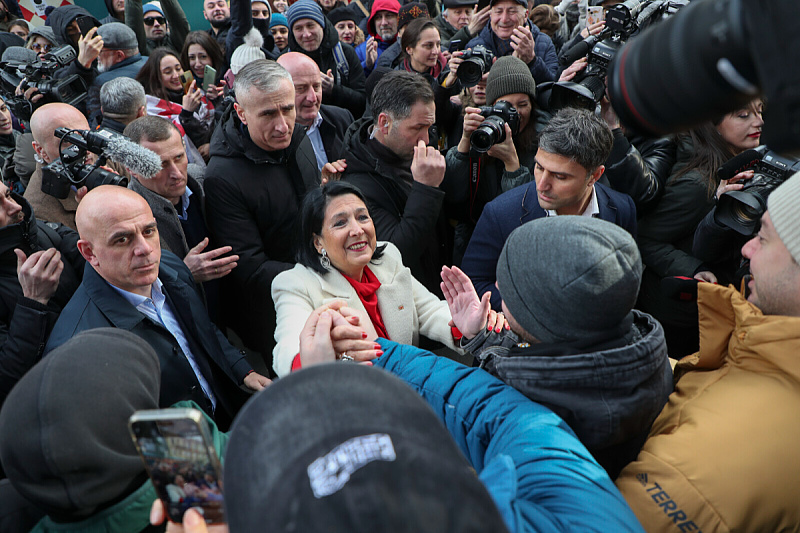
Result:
pixel 138 159
pixel 740 163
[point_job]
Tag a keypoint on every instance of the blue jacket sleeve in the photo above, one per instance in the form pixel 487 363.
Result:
pixel 558 486
pixel 544 66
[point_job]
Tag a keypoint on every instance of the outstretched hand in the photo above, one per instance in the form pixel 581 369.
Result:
pixel 469 312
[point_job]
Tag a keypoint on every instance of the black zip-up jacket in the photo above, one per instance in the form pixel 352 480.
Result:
pixel 252 201
pixel 25 324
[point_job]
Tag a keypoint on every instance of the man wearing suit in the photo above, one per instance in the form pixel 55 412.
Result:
pixel 325 124
pixel 569 161
pixel 128 283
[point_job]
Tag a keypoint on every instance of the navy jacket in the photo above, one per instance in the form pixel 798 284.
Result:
pixel 544 66
pixel 335 121
pixel 97 305
pixel 510 210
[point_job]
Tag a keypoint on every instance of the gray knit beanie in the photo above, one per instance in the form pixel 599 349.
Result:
pixel 784 211
pixel 568 278
pixel 305 9
pixel 509 75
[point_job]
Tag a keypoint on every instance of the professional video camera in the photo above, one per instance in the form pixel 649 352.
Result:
pixel 493 129
pixel 712 58
pixel 741 210
pixel 70 169
pixel 622 20
pixel 39 73
pixel 477 62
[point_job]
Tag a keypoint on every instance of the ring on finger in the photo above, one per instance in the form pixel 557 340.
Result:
pixel 345 357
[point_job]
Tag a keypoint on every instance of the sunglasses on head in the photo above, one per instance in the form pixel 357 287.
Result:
pixel 149 21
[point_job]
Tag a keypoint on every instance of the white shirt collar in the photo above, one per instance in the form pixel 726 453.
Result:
pixel 592 210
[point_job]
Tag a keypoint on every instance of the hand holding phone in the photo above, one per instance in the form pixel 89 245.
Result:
pixel 209 76
pixel 85 23
pixel 175 446
pixel 186 80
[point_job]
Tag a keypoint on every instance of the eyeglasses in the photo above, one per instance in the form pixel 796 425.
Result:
pixel 149 21
pixel 36 47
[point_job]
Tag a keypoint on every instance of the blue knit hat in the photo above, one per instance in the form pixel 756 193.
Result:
pixel 305 9
pixel 151 7
pixel 278 19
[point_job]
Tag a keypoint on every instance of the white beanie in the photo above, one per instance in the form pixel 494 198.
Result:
pixel 784 211
pixel 249 51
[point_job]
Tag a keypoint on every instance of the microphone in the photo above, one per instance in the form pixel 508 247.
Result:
pixel 579 50
pixel 740 163
pixel 138 159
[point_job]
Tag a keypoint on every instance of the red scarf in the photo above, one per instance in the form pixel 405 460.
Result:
pixel 367 289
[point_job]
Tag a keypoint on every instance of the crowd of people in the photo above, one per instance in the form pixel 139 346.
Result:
pixel 407 290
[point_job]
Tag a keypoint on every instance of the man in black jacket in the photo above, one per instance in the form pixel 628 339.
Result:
pixel 325 124
pixel 128 283
pixel 388 159
pixel 39 270
pixel 261 167
pixel 343 79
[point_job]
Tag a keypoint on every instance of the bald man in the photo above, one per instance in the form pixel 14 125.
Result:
pixel 130 283
pixel 44 122
pixel 326 124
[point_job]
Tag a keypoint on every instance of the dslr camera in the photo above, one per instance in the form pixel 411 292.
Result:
pixel 493 129
pixel 70 169
pixel 741 210
pixel 477 62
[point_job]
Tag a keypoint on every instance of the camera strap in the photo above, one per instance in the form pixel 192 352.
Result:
pixel 474 180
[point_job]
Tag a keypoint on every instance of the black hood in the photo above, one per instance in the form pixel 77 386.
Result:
pixel 110 7
pixel 64 441
pixel 330 37
pixel 62 16
pixel 231 139
pixel 355 139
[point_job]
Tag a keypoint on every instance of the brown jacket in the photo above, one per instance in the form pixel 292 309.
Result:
pixel 49 208
pixel 723 454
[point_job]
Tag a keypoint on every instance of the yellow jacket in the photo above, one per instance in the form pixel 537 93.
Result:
pixel 724 454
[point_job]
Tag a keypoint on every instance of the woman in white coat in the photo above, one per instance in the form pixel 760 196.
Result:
pixel 339 258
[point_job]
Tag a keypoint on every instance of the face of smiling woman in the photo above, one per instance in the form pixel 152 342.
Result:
pixel 348 235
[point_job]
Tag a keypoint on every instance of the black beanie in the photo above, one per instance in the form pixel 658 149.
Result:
pixel 64 440
pixel 341 13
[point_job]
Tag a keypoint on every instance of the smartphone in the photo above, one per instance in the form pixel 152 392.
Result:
pixel 186 80
pixel 482 4
pixel 178 454
pixel 209 75
pixel 229 78
pixel 594 15
pixel 85 24
pixel 455 46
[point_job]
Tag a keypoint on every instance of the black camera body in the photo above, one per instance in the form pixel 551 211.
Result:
pixel 70 90
pixel 742 210
pixel 70 169
pixel 477 62
pixel 493 129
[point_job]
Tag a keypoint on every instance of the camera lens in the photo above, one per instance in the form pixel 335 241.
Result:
pixel 490 132
pixel 470 71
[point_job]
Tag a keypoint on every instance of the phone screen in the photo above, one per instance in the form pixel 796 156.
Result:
pixel 182 466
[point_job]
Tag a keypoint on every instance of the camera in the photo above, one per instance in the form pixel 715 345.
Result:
pixel 39 74
pixel 742 210
pixel 622 21
pixel 493 129
pixel 477 62
pixel 70 169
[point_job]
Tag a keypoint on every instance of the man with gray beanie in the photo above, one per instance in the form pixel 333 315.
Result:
pixel 119 58
pixel 568 163
pixel 722 455
pixel 576 345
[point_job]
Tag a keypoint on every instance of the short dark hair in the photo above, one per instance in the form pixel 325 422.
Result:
pixel 209 44
pixel 150 129
pixel 397 92
pixel 579 135
pixel 312 215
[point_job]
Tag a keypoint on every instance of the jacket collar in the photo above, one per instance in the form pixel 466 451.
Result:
pixel 532 210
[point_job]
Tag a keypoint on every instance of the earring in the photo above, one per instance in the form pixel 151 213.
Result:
pixel 324 261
